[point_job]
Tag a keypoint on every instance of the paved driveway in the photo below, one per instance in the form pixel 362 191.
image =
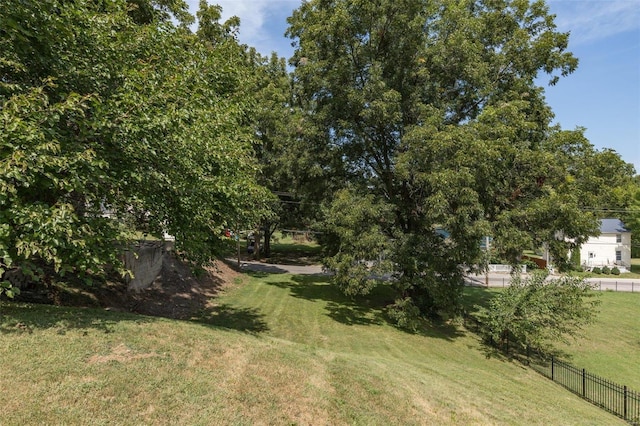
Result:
pixel 495 279
pixel 256 266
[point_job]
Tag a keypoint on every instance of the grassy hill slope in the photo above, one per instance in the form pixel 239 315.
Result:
pixel 276 349
pixel 610 346
pixel 607 347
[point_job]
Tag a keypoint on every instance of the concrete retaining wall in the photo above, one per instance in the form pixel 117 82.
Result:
pixel 16 278
pixel 144 260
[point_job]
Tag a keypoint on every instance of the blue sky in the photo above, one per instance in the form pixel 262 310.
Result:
pixel 603 95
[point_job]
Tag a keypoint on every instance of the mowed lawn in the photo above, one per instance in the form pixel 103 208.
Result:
pixel 610 347
pixel 277 349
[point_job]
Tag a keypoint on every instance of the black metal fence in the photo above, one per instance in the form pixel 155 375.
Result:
pixel 615 398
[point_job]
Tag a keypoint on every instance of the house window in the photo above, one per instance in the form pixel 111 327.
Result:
pixel 591 255
pixel 618 256
pixel 618 238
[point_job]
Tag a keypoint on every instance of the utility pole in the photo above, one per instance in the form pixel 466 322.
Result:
pixel 486 272
pixel 237 236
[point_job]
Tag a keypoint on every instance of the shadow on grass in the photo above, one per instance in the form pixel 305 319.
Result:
pixel 176 294
pixel 439 330
pixel 295 254
pixel 526 358
pixel 25 318
pixel 358 310
pixel 242 319
pixel 344 309
pixel 480 296
pixel 20 318
pixel 261 270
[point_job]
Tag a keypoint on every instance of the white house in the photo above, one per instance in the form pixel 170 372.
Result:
pixel 611 248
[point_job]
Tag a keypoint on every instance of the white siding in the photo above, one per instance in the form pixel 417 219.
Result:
pixel 601 251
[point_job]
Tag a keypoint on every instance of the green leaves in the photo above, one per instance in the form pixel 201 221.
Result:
pixel 429 112
pixel 114 120
pixel 536 312
pixel 355 241
pixel 7 289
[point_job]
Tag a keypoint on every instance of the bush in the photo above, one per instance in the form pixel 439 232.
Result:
pixel 615 270
pixel 606 270
pixel 405 314
pixel 574 260
pixel 530 264
pixel 536 313
pixel 596 270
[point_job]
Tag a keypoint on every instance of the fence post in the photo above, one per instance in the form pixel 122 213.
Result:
pixel 625 402
pixel 584 388
pixel 552 375
pixel 616 285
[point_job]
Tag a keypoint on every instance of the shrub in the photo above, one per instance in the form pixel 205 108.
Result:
pixel 606 270
pixel 405 314
pixel 536 312
pixel 596 270
pixel 615 270
pixel 530 264
pixel 574 260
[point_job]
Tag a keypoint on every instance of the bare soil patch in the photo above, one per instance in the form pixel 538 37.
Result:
pixel 176 293
pixel 121 354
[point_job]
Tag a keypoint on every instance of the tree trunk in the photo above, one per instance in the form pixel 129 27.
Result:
pixel 256 253
pixel 267 244
pixel 269 229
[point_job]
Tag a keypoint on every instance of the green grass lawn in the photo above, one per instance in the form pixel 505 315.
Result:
pixel 610 347
pixel 287 250
pixel 633 274
pixel 278 349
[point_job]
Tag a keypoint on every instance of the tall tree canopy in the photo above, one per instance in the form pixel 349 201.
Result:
pixel 110 107
pixel 430 112
pixel 288 168
pixel 632 216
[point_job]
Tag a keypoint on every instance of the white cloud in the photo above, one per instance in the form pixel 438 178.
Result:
pixel 590 20
pixel 262 21
pixel 252 16
pixel 257 28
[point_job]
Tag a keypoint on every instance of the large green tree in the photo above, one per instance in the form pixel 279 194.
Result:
pixel 274 118
pixel 631 216
pixel 430 112
pixel 288 168
pixel 600 183
pixel 111 109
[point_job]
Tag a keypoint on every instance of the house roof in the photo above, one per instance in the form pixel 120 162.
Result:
pixel 612 226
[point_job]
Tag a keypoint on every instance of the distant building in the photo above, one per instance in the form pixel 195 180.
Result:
pixel 611 248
